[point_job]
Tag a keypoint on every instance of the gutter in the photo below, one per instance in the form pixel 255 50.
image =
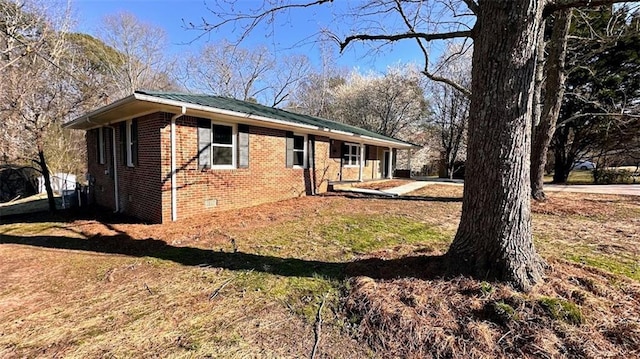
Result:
pixel 174 190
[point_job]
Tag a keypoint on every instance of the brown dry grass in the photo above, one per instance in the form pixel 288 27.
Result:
pixel 107 288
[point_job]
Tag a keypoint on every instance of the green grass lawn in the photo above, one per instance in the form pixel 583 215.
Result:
pixel 249 283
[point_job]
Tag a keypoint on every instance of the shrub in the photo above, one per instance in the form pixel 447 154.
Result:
pixel 611 176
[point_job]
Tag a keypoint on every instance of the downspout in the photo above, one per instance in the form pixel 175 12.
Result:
pixel 390 164
pixel 174 189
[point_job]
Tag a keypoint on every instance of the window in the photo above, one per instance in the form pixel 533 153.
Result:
pixel 101 148
pixel 217 145
pixel 132 143
pixel 351 154
pixel 296 150
pixel 222 145
pixel 299 147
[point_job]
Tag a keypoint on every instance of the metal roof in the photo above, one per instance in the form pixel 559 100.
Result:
pixel 233 107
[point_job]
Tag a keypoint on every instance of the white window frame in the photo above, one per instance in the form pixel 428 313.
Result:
pixel 129 144
pixel 305 161
pixel 101 157
pixel 348 157
pixel 233 145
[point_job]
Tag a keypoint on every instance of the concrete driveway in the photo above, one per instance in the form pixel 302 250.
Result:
pixel 623 189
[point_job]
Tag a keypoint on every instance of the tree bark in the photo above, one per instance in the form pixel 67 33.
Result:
pixel 553 94
pixel 47 180
pixel 494 238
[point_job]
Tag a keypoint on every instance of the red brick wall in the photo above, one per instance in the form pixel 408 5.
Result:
pixel 145 190
pixel 265 180
pixel 139 186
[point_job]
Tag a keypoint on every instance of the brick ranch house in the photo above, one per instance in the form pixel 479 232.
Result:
pixel 163 156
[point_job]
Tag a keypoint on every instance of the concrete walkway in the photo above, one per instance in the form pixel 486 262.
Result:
pixel 389 192
pixel 406 188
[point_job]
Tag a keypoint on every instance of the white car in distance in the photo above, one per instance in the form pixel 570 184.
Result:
pixel 584 165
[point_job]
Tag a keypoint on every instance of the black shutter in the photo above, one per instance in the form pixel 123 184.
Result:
pixel 243 146
pixel 134 142
pixel 311 151
pixel 123 141
pixel 289 161
pixel 335 149
pixel 204 143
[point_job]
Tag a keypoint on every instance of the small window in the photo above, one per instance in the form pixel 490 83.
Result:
pixel 296 150
pixel 132 143
pixel 351 154
pixel 101 148
pixel 299 142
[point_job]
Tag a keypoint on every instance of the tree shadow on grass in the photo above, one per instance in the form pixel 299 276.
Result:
pixel 97 213
pixel 422 267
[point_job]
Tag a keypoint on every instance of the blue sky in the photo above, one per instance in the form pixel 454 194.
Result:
pixel 294 32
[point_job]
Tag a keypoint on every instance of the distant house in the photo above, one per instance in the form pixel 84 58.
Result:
pixel 163 156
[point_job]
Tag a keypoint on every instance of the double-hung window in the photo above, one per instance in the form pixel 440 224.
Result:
pixel 223 146
pixel 296 151
pixel 299 151
pixel 129 142
pixel 218 147
pixel 351 155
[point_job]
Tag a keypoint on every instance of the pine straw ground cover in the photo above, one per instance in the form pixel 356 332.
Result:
pixel 249 283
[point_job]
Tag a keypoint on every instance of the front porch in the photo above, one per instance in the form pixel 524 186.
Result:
pixel 362 162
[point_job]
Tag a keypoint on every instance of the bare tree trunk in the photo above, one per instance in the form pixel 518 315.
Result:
pixel 494 238
pixel 553 94
pixel 47 180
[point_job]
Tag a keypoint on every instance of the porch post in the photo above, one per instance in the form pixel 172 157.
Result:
pixel 410 154
pixel 390 164
pixel 361 167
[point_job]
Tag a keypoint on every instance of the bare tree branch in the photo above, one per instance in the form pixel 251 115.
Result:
pixel 409 35
pixel 426 71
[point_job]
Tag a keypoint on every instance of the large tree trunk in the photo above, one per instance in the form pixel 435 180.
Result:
pixel 553 94
pixel 47 180
pixel 494 238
